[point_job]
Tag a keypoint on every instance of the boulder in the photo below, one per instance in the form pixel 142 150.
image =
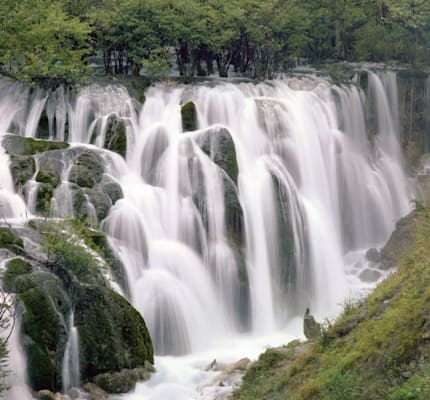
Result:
pixel 373 255
pixel 123 381
pixel 22 168
pixel 95 392
pixel 45 332
pixel 50 169
pixel 100 201
pixel 113 335
pixel 311 328
pixel 370 275
pixel 87 169
pixel 189 117
pixel 112 189
pixel 218 145
pixel 400 240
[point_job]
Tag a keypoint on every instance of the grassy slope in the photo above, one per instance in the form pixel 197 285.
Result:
pixel 377 349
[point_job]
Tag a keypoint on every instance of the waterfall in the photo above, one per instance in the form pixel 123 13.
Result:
pixel 210 253
pixel 71 370
pixel 17 377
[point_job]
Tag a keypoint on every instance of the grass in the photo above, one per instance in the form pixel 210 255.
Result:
pixel 377 349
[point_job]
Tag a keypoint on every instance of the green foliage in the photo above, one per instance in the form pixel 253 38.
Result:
pixel 47 42
pixel 377 349
pixel 157 65
pixel 68 255
pixel 41 44
pixel 9 239
pixel 15 268
pixel 415 388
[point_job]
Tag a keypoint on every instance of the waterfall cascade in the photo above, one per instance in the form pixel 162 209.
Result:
pixel 211 248
pixel 71 370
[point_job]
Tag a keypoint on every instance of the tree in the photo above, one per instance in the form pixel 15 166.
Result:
pixel 41 44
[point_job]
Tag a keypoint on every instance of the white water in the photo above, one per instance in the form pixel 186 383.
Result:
pixel 71 369
pixel 342 191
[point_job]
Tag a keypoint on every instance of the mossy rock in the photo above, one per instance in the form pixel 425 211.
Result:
pixel 233 212
pixel 49 171
pixel 123 381
pixel 10 240
pixel 22 169
pixel 400 240
pixel 25 146
pixel 286 254
pixel 15 267
pixel 100 201
pixel 112 189
pixel 219 146
pixel 43 198
pixel 116 135
pixel 87 169
pixel 113 335
pixel 46 329
pixel 189 117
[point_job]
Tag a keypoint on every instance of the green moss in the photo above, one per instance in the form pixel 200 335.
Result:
pixel 26 146
pixel 87 169
pixel 41 323
pixel 43 198
pixel 15 268
pixel 49 171
pixel 189 117
pixel 9 239
pixel 116 136
pixel 378 348
pixel 22 169
pixel 112 333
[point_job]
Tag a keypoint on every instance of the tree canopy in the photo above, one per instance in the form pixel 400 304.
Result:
pixel 48 42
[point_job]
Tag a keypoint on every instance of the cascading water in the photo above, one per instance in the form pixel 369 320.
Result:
pixel 71 371
pixel 210 253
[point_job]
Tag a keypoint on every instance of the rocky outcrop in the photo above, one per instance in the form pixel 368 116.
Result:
pixel 400 240
pixel 53 165
pixel 189 117
pixel 113 335
pixel 25 146
pixel 124 380
pixel 87 169
pixel 218 145
pixel 116 135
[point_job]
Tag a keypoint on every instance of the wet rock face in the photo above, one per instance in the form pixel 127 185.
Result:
pixel 400 241
pixel 116 136
pixel 22 169
pixel 87 169
pixel 92 191
pixel 113 335
pixel 24 146
pixel 189 117
pixel 373 255
pixel 218 145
